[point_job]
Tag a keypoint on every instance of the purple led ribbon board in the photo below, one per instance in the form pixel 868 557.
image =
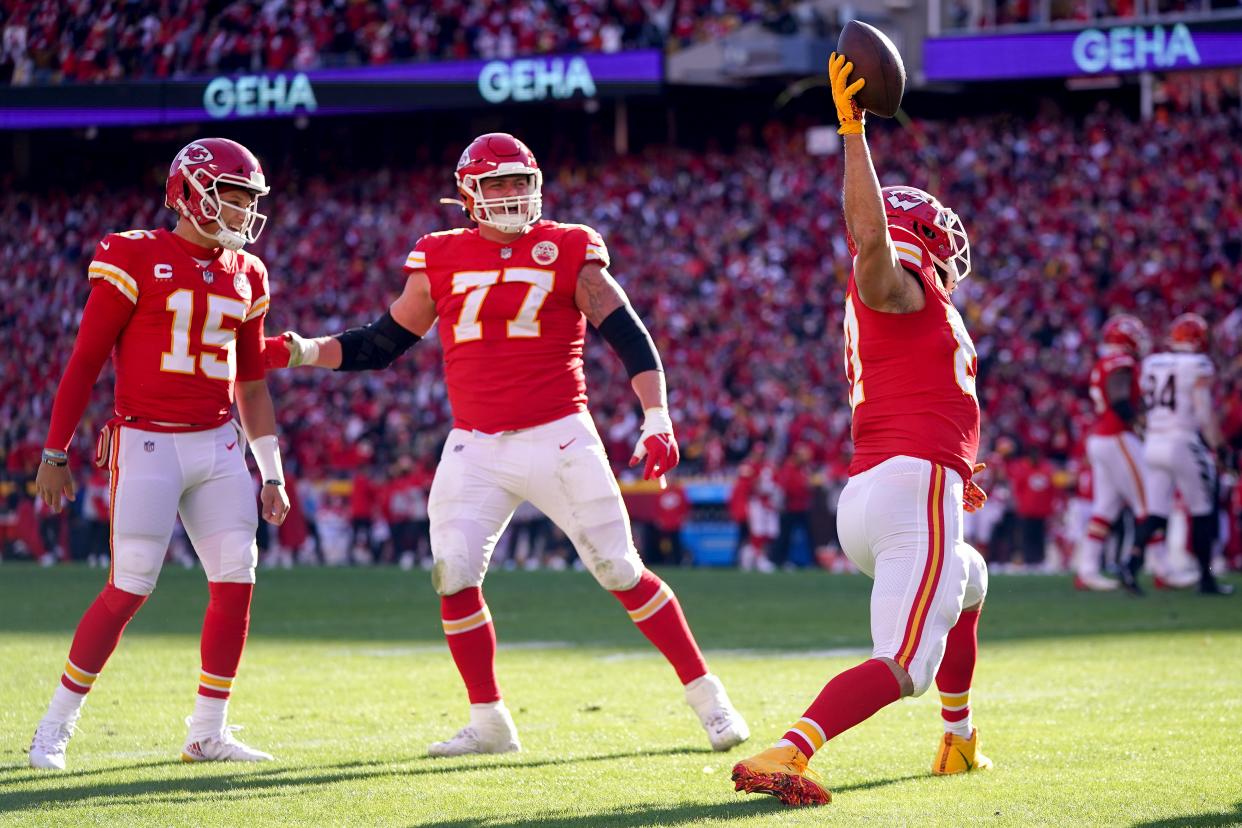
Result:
pixel 392 88
pixel 1154 47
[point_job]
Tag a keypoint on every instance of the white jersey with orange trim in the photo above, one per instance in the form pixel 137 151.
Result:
pixel 1176 391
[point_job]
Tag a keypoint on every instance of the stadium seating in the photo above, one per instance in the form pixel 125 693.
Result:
pixel 738 263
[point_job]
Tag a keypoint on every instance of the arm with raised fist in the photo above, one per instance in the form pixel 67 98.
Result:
pixel 366 348
pixel 881 280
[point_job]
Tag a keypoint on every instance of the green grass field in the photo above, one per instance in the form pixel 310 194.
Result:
pixel 1097 709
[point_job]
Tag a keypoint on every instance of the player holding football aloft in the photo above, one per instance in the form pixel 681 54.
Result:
pixel 513 296
pixel 1113 449
pixel 911 369
pixel 1179 445
pixel 184 311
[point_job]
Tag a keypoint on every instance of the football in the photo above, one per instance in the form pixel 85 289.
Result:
pixel 875 58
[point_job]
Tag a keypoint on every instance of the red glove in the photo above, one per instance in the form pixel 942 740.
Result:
pixel 275 352
pixel 657 443
pixel 288 351
pixel 973 497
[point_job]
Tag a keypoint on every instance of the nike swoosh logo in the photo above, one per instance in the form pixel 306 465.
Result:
pixel 230 445
pixel 566 445
pixel 105 245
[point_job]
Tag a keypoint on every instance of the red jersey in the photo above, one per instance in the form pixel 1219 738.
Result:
pixel 511 331
pixel 196 325
pixel 1107 423
pixel 911 375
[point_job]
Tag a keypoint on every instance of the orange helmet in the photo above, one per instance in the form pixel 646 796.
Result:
pixel 1189 332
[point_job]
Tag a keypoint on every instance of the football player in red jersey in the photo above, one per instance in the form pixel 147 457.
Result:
pixel 911 369
pixel 1113 449
pixel 513 296
pixel 184 312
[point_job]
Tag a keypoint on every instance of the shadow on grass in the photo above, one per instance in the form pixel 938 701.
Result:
pixel 1233 817
pixel 659 814
pixel 28 790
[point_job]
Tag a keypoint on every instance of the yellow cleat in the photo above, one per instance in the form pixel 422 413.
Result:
pixel 783 773
pixel 958 755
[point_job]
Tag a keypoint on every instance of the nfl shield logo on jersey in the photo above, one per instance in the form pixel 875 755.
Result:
pixel 208 276
pixel 242 285
pixel 148 446
pixel 545 253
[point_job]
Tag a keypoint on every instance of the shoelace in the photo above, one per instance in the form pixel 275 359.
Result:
pixel 59 739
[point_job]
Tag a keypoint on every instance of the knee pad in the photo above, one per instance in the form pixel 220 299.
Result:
pixel 229 557
pixel 976 577
pixel 136 562
pixel 121 603
pixel 460 559
pixel 608 552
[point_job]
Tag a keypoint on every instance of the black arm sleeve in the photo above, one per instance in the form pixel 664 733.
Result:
pixel 1125 410
pixel 627 335
pixel 375 346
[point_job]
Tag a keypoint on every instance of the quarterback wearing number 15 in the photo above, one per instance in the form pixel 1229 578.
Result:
pixel 513 296
pixel 183 311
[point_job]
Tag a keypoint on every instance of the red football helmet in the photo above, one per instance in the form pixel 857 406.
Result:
pixel 193 188
pixel 937 226
pixel 1123 333
pixel 490 156
pixel 1189 332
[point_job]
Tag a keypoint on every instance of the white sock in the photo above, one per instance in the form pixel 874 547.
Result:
pixel 209 715
pixel 65 704
pixel 485 712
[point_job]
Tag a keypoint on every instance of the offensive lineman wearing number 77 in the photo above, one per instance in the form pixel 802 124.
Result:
pixel 184 310
pixel 513 296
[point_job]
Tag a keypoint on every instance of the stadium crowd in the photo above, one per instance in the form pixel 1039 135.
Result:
pixel 737 261
pixel 978 14
pixel 78 41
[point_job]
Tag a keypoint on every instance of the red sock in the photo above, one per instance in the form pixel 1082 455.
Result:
pixel 957 669
pixel 225 625
pixel 654 609
pixel 851 697
pixel 472 641
pixel 97 635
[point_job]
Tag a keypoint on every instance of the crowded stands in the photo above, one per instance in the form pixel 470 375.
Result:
pixel 737 261
pixel 69 41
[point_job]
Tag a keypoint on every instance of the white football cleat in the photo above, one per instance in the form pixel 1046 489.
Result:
pixel 724 725
pixel 221 747
pixel 1094 583
pixel 47 748
pixel 491 730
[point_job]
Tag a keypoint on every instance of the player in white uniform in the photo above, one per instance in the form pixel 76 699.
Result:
pixel 1182 438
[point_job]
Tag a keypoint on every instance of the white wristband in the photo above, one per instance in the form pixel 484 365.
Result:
pixel 302 351
pixel 657 421
pixel 266 451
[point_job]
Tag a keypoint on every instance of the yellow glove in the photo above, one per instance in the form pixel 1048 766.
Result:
pixel 848 112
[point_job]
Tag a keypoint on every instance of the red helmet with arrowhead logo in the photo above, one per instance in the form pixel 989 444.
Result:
pixel 193 189
pixel 494 155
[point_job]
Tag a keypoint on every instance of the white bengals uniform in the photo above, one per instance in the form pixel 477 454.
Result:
pixel 1177 394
